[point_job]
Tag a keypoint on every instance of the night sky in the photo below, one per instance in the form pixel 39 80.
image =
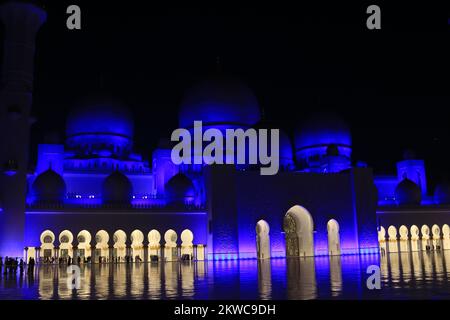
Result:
pixel 391 85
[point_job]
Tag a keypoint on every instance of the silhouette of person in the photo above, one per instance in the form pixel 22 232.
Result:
pixel 6 265
pixel 21 266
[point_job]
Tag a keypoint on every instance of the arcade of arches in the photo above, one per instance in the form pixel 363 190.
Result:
pixel 413 238
pixel 103 247
pixel 99 249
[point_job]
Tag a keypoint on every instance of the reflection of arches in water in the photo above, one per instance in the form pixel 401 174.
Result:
pixel 154 238
pixel 187 279
pixel 384 264
pixel 84 244
pixel 137 245
pixel 414 238
pixel 137 280
pixel 427 264
pixel 101 245
pixel 393 243
pixel 120 249
pixel 446 258
pixel 436 233
pixel 439 271
pixel 154 281
pixel 336 276
pixel 65 244
pixel 201 268
pixel 417 265
pixel 48 289
pixel 47 244
pixel 446 237
pixel 262 240
pixel 170 247
pixel 171 279
pixel 382 240
pixel 301 279
pixel 187 245
pixel 298 227
pixel 394 267
pixel 406 265
pixel 264 279
pixel 426 245
pixel 334 242
pixel 403 243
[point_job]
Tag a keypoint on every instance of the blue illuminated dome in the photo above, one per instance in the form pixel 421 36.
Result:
pixel 222 102
pixel 408 193
pixel 49 186
pixel 100 125
pixel 317 133
pixel 117 189
pixel 179 189
pixel 323 129
pixel 442 193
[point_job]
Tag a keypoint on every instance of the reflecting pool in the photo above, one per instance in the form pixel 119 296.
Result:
pixel 413 275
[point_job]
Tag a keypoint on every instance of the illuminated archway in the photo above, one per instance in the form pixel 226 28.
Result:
pixel 446 237
pixel 154 247
pixel 84 244
pixel 298 227
pixel 403 231
pixel 425 230
pixel 262 240
pixel 101 246
pixel 65 244
pixel 47 245
pixel 334 241
pixel 120 247
pixel 393 241
pixel 170 247
pixel 436 233
pixel 415 237
pixel 137 245
pixel 187 246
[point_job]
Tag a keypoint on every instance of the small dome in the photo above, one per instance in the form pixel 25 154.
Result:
pixel 442 193
pixel 219 102
pixel 49 186
pixel 117 189
pixel 179 189
pixel 408 193
pixel 322 130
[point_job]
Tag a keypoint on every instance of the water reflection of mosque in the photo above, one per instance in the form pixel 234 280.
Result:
pixel 136 281
pixel 294 278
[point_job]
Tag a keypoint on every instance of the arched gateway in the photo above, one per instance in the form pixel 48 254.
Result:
pixel 298 227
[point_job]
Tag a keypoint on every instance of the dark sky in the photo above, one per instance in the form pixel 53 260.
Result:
pixel 391 85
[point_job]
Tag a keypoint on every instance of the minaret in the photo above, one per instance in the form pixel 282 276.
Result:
pixel 21 22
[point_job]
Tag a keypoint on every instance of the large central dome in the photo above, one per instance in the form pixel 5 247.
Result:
pixel 100 124
pixel 100 117
pixel 221 102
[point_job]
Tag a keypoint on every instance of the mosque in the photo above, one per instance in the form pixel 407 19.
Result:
pixel 94 197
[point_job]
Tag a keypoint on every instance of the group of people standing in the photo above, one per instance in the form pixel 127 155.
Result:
pixel 11 265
